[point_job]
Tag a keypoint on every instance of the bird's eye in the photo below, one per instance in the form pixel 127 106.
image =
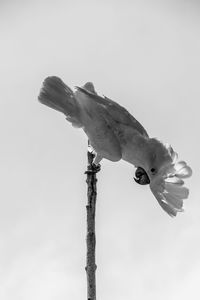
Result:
pixel 153 170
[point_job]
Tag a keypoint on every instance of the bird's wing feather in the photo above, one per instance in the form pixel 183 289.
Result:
pixel 117 112
pixel 99 128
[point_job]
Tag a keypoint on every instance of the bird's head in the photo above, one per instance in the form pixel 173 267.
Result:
pixel 165 174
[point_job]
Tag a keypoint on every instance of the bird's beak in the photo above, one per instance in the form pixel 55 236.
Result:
pixel 141 176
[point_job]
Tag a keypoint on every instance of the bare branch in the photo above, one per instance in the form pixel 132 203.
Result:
pixel 91 237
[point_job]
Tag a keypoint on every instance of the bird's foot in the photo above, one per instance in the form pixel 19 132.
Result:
pixel 93 168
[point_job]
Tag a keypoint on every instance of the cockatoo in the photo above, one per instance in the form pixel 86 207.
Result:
pixel 115 134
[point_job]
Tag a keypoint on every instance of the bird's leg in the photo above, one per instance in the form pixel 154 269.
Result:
pixel 91 149
pixel 96 160
pixel 95 166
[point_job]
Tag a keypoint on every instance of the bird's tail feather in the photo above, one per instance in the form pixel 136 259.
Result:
pixel 57 95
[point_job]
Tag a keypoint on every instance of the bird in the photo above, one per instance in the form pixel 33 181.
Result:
pixel 114 134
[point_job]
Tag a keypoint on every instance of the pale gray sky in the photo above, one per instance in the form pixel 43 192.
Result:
pixel 143 54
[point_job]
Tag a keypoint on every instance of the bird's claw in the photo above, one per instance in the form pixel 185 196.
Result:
pixel 96 168
pixel 93 168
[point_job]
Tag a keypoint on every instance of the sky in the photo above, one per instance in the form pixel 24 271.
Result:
pixel 144 55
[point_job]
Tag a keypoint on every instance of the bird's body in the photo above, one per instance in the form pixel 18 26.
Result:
pixel 115 134
pixel 107 126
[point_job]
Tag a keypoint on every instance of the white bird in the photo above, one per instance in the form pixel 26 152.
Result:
pixel 115 134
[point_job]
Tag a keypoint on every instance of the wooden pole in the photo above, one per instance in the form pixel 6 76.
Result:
pixel 91 237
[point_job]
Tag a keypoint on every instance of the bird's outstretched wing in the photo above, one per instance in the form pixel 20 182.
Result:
pixel 117 112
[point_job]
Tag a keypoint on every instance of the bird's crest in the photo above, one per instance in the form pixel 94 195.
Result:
pixel 168 186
